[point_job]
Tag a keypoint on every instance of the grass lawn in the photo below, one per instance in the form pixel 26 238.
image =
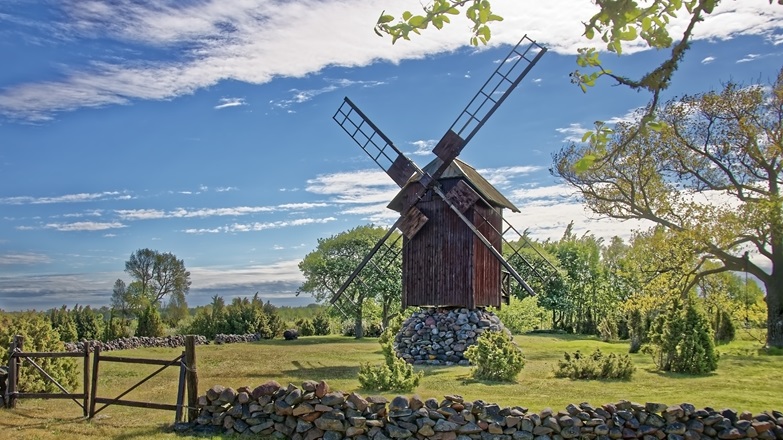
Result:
pixel 745 380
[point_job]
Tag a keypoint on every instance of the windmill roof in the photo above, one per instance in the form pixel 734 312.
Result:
pixel 460 170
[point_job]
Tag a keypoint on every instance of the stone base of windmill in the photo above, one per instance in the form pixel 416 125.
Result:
pixel 440 336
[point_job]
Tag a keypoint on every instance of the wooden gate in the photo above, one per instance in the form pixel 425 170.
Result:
pixel 15 361
pixel 188 378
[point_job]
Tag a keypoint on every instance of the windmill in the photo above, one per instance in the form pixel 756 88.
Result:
pixel 451 220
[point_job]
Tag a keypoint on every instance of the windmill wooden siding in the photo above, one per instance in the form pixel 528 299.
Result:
pixel 445 264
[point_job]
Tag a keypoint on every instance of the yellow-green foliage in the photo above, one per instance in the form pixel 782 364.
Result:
pixel 38 337
pixel 496 357
pixel 595 366
pixel 393 375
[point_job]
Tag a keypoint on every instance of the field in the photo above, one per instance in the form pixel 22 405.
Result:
pixel 744 381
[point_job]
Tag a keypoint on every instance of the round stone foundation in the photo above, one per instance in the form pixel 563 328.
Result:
pixel 440 336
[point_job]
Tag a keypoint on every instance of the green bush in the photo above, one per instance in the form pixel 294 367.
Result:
pixel 725 330
pixel 495 357
pixel 681 340
pixel 39 336
pixel 305 327
pixel 521 316
pixel 321 324
pixel 394 374
pixel 150 323
pixel 595 366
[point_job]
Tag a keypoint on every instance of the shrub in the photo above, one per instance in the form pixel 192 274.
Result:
pixel 372 329
pixel 496 357
pixel 116 328
pixel 150 323
pixel 595 366
pixel 521 316
pixel 321 324
pixel 39 336
pixel 394 374
pixel 305 327
pixel 681 340
pixel 725 331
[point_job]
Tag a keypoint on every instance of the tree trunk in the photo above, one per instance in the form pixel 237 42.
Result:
pixel 358 328
pixel 775 310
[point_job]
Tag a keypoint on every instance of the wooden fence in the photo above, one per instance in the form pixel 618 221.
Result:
pixel 188 379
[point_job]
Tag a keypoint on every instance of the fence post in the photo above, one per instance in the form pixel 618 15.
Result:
pixel 14 364
pixel 192 376
pixel 96 357
pixel 86 406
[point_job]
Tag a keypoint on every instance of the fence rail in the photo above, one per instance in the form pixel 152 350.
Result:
pixel 188 379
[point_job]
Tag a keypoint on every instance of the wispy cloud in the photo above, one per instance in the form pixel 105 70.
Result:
pixel 708 60
pixel 230 102
pixel 573 132
pixel 301 96
pixel 423 147
pixel 258 226
pixel 83 226
pixel 505 175
pixel 26 258
pixel 151 214
pixel 749 57
pixel 67 198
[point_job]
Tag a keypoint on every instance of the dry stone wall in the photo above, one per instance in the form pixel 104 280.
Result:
pixel 313 411
pixel 133 343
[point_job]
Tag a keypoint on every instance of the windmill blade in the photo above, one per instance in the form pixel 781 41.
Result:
pixel 500 84
pixel 376 144
pixel 380 244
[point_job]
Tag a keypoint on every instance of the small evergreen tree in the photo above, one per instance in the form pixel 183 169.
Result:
pixel 724 328
pixel 321 324
pixel 305 327
pixel 495 357
pixel 64 324
pixel 681 339
pixel 394 374
pixel 150 323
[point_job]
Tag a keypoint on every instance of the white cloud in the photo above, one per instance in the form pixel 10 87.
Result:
pixel 151 214
pixel 83 226
pixel 66 198
pixel 573 132
pixel 259 226
pixel 212 41
pixel 423 147
pixel 358 187
pixel 23 259
pixel 230 102
pixel 749 57
pixel 300 96
pixel 708 60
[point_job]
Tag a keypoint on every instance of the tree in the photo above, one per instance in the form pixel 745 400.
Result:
pixel 121 299
pixel 616 23
pixel 335 258
pixel 711 177
pixel 150 323
pixel 176 310
pixel 158 274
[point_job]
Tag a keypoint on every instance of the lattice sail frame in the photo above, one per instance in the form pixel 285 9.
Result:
pixel 401 169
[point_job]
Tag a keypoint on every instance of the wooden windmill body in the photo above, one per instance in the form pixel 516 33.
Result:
pixel 444 264
pixel 450 216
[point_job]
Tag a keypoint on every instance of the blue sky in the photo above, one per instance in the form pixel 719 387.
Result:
pixel 204 128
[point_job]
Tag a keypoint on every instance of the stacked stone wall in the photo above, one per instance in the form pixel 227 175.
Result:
pixel 313 411
pixel 439 336
pixel 134 343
